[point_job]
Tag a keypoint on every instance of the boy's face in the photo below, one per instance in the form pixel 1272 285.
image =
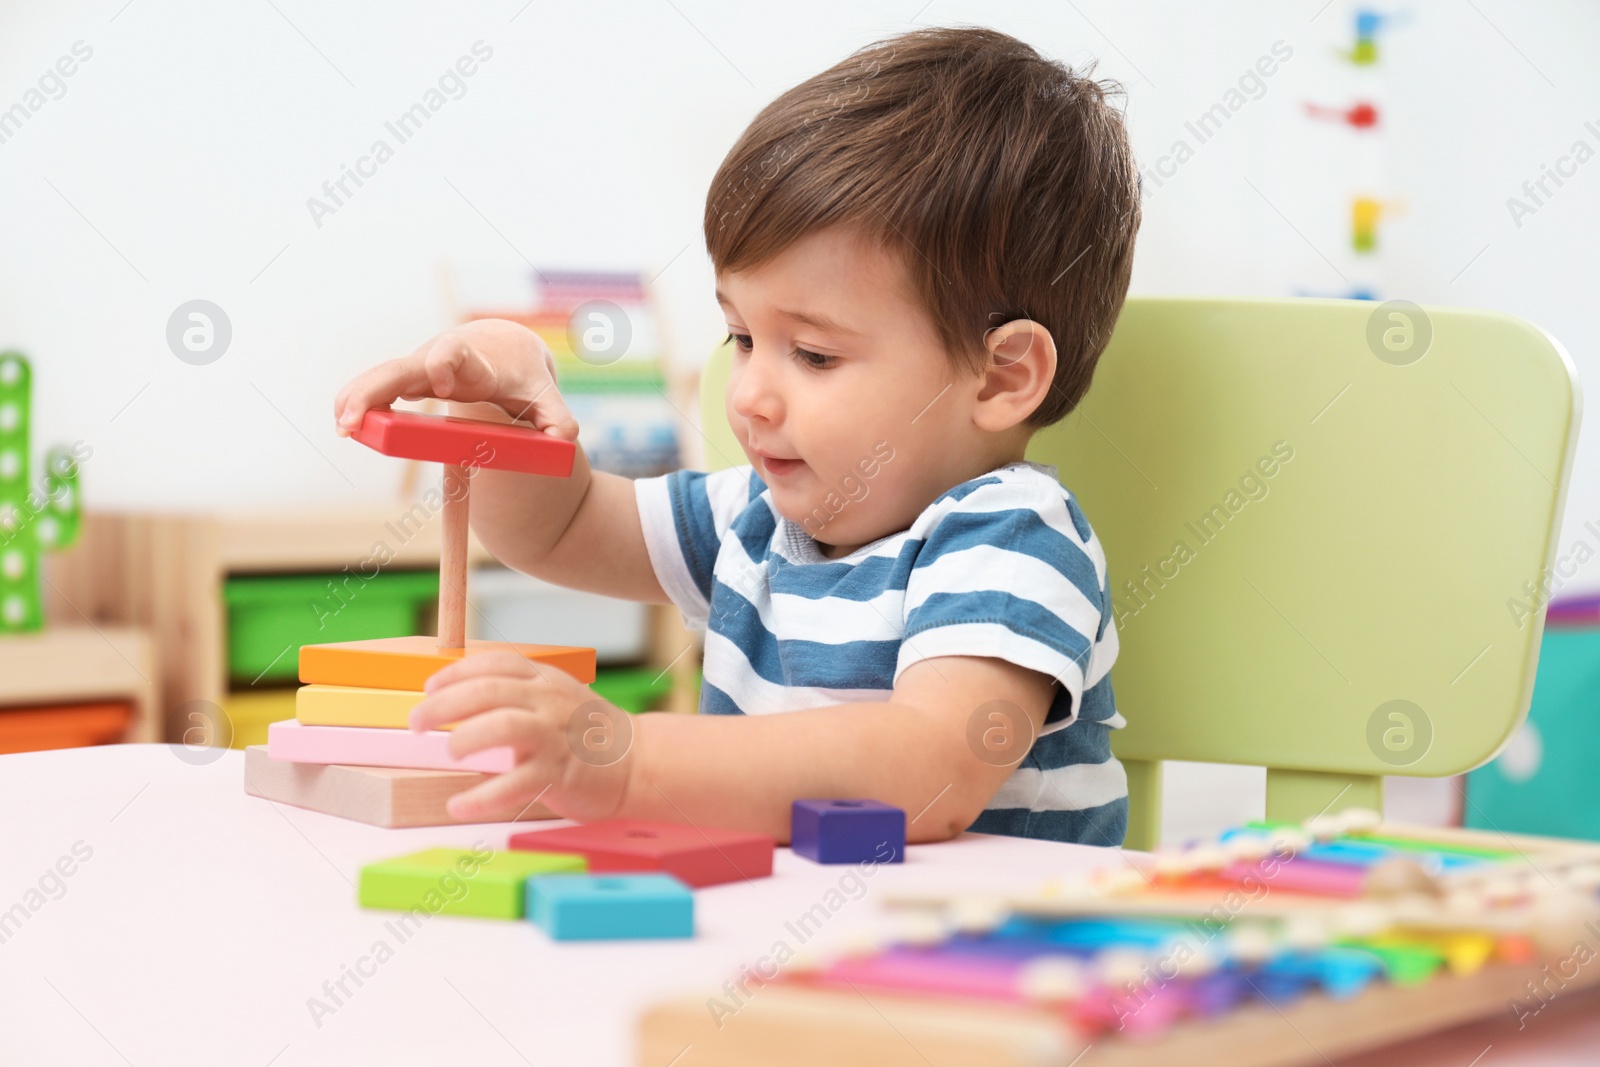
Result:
pixel 841 394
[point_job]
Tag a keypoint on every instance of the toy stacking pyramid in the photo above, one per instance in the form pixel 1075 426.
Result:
pixel 355 706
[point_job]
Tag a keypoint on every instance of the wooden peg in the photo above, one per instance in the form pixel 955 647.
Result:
pixel 463 446
pixel 453 558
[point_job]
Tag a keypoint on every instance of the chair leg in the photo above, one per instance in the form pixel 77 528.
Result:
pixel 1144 803
pixel 1294 796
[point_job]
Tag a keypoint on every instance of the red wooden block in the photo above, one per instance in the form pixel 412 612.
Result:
pixel 695 855
pixel 466 442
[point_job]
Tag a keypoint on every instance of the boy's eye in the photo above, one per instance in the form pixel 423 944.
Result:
pixel 814 360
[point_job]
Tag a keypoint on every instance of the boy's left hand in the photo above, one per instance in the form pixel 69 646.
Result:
pixel 572 747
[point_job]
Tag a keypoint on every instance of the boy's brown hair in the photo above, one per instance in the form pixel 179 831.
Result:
pixel 1003 180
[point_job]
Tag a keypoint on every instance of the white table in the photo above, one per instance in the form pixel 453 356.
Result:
pixel 205 920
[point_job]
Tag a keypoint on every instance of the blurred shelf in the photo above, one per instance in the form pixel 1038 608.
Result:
pixel 82 665
pixel 165 573
pixel 329 540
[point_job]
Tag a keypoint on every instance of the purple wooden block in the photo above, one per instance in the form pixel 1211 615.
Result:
pixel 847 831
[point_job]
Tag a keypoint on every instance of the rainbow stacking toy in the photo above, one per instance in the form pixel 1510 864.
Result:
pixel 1275 944
pixel 355 706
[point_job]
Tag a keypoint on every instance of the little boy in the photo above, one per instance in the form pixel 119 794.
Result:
pixel 920 254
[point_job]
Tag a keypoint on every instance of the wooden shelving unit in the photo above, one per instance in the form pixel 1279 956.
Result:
pixel 67 664
pixel 165 574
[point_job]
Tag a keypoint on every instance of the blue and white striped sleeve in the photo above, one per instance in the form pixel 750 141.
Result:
pixel 1011 570
pixel 684 515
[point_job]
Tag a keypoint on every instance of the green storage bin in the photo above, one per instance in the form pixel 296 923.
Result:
pixel 271 616
pixel 633 689
pixel 1544 782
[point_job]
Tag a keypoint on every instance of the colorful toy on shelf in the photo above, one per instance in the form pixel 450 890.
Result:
pixel 596 321
pixel 354 707
pixel 847 831
pixel 611 907
pixel 603 329
pixel 1360 115
pixel 32 520
pixel 1344 932
pixel 1355 292
pixel 1364 51
pixel 1365 211
pixel 697 855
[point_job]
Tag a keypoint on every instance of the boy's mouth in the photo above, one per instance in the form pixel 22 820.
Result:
pixel 778 466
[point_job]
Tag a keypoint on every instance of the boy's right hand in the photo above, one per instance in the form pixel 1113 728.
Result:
pixel 483 361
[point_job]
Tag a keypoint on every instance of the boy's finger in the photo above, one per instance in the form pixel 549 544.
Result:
pixel 474 696
pixel 516 728
pixel 442 363
pixel 505 795
pixel 552 415
pixel 546 410
pixel 377 388
pixel 502 661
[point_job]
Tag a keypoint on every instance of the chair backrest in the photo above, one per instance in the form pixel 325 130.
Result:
pixel 1328 526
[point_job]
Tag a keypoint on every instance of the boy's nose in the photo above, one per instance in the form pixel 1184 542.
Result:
pixel 753 393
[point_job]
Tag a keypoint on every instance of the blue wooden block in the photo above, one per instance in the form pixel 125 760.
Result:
pixel 604 907
pixel 847 831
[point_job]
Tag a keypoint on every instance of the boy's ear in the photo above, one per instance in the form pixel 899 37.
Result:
pixel 1021 368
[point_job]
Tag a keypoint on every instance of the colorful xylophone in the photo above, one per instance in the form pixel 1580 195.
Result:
pixel 1274 944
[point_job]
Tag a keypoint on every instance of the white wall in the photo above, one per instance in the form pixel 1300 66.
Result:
pixel 179 161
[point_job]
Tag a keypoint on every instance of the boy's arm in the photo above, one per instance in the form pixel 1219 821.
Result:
pixel 581 532
pixel 932 749
pixel 744 772
pixel 1006 600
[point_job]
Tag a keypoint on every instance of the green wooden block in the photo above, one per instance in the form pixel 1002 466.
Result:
pixel 458 881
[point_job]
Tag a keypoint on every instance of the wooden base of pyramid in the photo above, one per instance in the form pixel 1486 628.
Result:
pixel 378 796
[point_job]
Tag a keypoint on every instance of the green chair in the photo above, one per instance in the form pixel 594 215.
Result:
pixel 1319 518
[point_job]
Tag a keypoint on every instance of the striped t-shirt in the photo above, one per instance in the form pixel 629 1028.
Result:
pixel 1004 565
